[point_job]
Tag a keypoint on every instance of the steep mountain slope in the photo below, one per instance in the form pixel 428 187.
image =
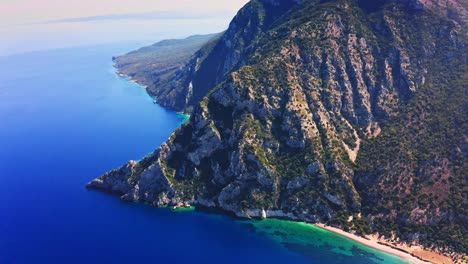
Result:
pixel 413 177
pixel 156 65
pixel 312 110
pixel 181 85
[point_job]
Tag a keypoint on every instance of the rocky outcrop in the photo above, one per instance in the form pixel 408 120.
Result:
pixel 286 104
pixel 117 181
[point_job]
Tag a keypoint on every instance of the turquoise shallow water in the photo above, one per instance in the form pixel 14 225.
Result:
pixel 311 241
pixel 66 118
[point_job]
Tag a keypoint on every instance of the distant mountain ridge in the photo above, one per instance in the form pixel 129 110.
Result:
pixel 322 110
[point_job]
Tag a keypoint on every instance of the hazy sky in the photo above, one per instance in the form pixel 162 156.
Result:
pixel 27 11
pixel 27 25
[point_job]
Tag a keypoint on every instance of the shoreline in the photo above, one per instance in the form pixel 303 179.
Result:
pixel 185 117
pixel 404 252
pixel 415 255
pixel 130 79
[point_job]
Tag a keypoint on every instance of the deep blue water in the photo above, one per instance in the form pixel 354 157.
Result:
pixel 66 118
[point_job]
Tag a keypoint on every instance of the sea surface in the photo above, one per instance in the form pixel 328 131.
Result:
pixel 66 118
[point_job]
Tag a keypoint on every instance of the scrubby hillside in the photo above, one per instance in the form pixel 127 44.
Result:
pixel 159 66
pixel 322 110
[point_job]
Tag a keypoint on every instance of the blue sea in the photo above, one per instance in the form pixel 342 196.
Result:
pixel 66 118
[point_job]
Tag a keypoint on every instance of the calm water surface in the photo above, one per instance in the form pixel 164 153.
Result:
pixel 65 118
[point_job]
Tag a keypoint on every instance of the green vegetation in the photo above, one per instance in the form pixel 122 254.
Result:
pixel 160 67
pixel 421 149
pixel 288 88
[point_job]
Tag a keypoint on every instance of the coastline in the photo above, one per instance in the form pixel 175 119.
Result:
pixel 412 254
pixel 415 255
pixel 130 79
pixel 185 117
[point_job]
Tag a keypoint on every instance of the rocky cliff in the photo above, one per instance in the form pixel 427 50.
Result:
pixel 322 110
pixel 162 67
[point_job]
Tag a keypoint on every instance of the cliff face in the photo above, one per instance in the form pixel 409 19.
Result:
pixel 296 110
pixel 161 67
pixel 199 63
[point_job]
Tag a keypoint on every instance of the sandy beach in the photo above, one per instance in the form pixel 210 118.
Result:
pixel 415 255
